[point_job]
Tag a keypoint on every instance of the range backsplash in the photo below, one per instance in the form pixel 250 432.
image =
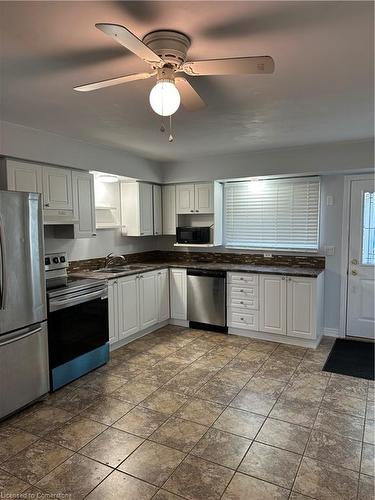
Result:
pixel 314 261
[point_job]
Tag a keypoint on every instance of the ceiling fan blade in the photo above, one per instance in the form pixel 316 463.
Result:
pixel 131 42
pixel 232 66
pixel 114 81
pixel 190 99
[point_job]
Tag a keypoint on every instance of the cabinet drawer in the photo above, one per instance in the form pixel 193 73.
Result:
pixel 243 319
pixel 244 303
pixel 242 292
pixel 244 278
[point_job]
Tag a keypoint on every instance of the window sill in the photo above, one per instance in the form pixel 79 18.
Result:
pixel 273 250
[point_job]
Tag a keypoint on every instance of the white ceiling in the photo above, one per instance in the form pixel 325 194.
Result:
pixel 321 91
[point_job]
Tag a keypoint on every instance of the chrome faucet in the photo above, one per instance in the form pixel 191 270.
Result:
pixel 111 259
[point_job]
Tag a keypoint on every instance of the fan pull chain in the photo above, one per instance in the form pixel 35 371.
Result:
pixel 162 128
pixel 170 138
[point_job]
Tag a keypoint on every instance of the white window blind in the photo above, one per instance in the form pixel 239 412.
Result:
pixel 277 213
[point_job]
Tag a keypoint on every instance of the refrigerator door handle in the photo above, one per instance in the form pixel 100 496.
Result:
pixel 3 269
pixel 15 337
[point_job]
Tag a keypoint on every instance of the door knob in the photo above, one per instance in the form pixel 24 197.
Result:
pixel 354 262
pixel 354 272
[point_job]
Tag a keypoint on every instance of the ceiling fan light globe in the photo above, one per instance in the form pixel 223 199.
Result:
pixel 165 98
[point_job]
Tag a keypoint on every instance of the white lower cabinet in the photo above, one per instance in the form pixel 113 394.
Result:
pixel 163 295
pixel 128 299
pixel 273 304
pixel 178 293
pixel 276 304
pixel 148 299
pixel 136 303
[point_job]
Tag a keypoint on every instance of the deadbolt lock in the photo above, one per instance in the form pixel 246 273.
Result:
pixel 354 262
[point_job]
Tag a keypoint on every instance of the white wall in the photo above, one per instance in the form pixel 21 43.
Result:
pixel 330 158
pixel 44 147
pixel 106 241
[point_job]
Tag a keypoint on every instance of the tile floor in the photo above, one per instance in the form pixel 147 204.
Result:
pixel 197 415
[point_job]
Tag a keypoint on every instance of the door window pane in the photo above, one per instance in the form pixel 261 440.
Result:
pixel 368 230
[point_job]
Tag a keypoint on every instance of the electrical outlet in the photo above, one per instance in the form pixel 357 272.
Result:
pixel 267 255
pixel 329 251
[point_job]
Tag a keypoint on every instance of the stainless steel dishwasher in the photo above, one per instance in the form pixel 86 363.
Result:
pixel 206 299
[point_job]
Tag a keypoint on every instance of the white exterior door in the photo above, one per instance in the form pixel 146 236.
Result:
pixel 84 204
pixel 148 299
pixel 178 293
pixel 361 260
pixel 158 228
pixel 204 199
pixel 163 295
pixel 22 176
pixel 128 300
pixel 185 198
pixel 57 188
pixel 169 209
pixel 145 210
pixel 273 304
pixel 301 307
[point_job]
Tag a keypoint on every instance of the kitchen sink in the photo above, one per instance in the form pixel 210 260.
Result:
pixel 118 269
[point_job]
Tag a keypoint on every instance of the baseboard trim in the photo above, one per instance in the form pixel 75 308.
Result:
pixel 275 338
pixel 138 335
pixel 332 332
pixel 179 322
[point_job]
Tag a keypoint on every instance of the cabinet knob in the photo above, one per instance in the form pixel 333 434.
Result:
pixel 191 210
pixel 241 319
pixel 241 302
pixel 46 204
pixel 197 210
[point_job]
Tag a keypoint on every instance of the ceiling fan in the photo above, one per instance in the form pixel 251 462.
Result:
pixel 166 53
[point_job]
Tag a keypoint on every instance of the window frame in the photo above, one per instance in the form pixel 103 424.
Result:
pixel 275 249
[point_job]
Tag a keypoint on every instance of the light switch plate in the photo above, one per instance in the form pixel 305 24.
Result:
pixel 268 255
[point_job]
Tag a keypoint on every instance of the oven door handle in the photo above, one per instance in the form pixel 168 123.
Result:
pixel 55 305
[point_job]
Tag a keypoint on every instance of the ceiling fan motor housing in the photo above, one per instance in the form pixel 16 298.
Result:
pixel 171 46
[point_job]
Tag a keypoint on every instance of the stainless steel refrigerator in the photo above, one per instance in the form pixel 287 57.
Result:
pixel 23 328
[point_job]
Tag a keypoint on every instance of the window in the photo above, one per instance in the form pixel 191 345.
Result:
pixel 368 229
pixel 277 213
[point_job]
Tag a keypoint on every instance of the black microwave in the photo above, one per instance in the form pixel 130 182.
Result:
pixel 197 235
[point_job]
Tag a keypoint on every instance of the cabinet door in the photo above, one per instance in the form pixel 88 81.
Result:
pixel 128 295
pixel 57 188
pixel 145 210
pixel 113 311
pixel 148 299
pixel 163 295
pixel 156 190
pixel 83 204
pixel 178 295
pixel 272 304
pixel 301 307
pixel 22 176
pixel 204 199
pixel 169 209
pixel 185 198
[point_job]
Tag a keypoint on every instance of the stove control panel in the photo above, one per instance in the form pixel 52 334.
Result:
pixel 53 261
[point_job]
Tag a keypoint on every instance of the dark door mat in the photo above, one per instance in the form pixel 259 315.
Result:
pixel 351 357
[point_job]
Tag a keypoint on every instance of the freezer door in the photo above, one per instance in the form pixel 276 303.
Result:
pixel 24 374
pixel 22 283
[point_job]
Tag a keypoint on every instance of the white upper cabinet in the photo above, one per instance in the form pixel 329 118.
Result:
pixel 137 209
pixel 169 209
pixel 57 188
pixel 83 204
pixel 178 293
pixel 163 294
pixel 204 199
pixel 22 176
pixel 158 226
pixel 148 299
pixel 195 198
pixel 272 304
pixel 302 307
pixel 185 194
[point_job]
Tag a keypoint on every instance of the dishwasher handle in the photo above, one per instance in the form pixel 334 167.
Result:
pixel 206 273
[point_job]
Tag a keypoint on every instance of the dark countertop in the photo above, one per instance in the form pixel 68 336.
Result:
pixel 307 272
